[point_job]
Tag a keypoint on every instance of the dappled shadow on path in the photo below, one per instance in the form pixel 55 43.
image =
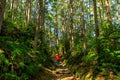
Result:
pixel 59 73
pixel 63 73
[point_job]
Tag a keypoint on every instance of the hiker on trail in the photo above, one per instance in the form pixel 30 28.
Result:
pixel 57 57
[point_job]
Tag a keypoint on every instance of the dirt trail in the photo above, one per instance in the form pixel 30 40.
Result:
pixel 59 73
pixel 63 73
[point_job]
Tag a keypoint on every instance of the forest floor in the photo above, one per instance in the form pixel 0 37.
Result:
pixel 60 72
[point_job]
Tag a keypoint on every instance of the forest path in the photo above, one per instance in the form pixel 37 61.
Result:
pixel 63 73
pixel 59 73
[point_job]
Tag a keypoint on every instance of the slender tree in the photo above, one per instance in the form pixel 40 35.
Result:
pixel 42 21
pixel 96 26
pixel 14 5
pixel 71 25
pixel 11 8
pixel 56 22
pixel 119 11
pixel 2 9
pixel 100 14
pixel 63 26
pixel 37 24
pixel 109 19
pixel 40 24
pixel 108 13
pixel 36 35
pixel 28 11
pixel 84 46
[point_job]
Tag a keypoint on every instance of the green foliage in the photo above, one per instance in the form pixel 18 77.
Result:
pixel 89 58
pixel 10 25
pixel 21 57
pixel 102 63
pixel 9 76
pixel 118 75
pixel 18 61
pixel 1 51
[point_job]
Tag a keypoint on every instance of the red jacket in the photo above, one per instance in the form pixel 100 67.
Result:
pixel 57 57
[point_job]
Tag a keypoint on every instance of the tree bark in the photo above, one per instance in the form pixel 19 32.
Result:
pixel 56 24
pixel 71 25
pixel 84 45
pixel 14 4
pixel 42 20
pixel 110 27
pixel 37 24
pixel 11 9
pixel 36 36
pixel 99 9
pixel 108 14
pixel 119 11
pixel 28 11
pixel 40 25
pixel 63 27
pixel 2 10
pixel 96 26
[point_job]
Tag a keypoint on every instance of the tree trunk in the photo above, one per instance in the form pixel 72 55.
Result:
pixel 36 35
pixel 99 9
pixel 96 26
pixel 42 20
pixel 14 4
pixel 28 11
pixel 40 25
pixel 110 27
pixel 11 9
pixel 84 46
pixel 63 28
pixel 102 11
pixel 119 11
pixel 71 25
pixel 108 14
pixel 37 24
pixel 100 16
pixel 56 24
pixel 2 9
